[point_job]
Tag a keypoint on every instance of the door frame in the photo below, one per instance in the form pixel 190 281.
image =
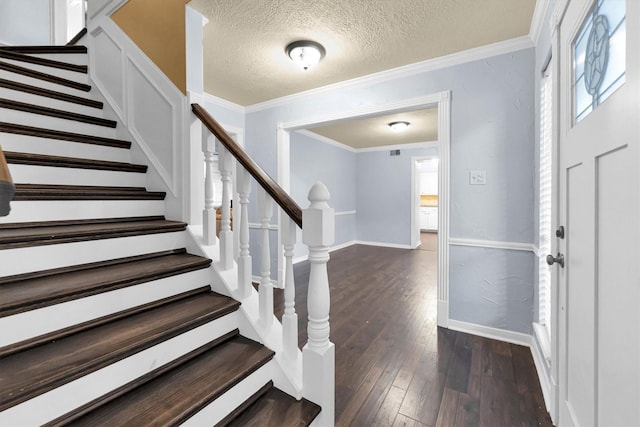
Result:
pixel 441 100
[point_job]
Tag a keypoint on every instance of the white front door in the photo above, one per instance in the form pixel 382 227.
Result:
pixel 599 206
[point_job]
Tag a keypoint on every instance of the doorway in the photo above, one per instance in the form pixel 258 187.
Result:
pixel 440 100
pixel 424 202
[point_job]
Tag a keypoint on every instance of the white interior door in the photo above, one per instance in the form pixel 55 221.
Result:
pixel 598 204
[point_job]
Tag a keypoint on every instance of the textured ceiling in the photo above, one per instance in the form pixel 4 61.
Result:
pixel 244 43
pixel 245 62
pixel 375 132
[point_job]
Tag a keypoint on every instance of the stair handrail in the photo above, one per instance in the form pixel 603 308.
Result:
pixel 314 366
pixel 278 194
pixel 7 188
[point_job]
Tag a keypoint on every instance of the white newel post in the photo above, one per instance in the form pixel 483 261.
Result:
pixel 289 317
pixel 318 232
pixel 244 259
pixel 226 235
pixel 211 178
pixel 265 207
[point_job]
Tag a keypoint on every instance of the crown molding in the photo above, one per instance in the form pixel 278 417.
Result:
pixel 326 140
pixel 537 21
pixel 212 99
pixel 487 51
pixel 426 144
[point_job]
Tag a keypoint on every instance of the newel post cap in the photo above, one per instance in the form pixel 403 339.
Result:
pixel 318 220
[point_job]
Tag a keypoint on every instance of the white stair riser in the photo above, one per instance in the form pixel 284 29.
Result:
pixel 73 176
pixel 57 147
pixel 30 98
pixel 23 326
pixel 71 58
pixel 222 406
pixel 58 72
pixel 60 210
pixel 61 400
pixel 47 122
pixel 36 258
pixel 16 77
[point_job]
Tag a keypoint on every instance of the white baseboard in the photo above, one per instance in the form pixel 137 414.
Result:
pixel 493 333
pixel 542 366
pixel 382 244
pixel 443 313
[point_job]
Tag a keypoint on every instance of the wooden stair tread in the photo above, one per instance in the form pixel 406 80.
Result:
pixel 46 49
pixel 48 93
pixel 17 56
pixel 29 291
pixel 276 408
pixel 53 112
pixel 70 162
pixel 34 371
pixel 61 135
pixel 79 327
pixel 173 397
pixel 43 76
pixel 81 192
pixel 46 233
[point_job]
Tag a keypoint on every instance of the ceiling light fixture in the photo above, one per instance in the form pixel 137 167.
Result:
pixel 305 53
pixel 399 126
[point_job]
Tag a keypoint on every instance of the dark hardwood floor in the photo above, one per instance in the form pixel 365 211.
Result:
pixel 395 367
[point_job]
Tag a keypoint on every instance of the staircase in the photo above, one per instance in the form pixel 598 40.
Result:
pixel 106 316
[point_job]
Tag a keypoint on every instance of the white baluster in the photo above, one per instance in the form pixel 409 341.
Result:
pixel 226 235
pixel 211 179
pixel 318 231
pixel 265 207
pixel 289 318
pixel 244 259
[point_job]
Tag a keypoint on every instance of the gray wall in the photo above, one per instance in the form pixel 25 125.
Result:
pixel 25 22
pixel 384 195
pixel 492 128
pixel 335 167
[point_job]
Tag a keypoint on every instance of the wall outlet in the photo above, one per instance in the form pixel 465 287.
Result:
pixel 477 177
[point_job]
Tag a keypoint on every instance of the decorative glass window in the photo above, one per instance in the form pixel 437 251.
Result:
pixel 599 56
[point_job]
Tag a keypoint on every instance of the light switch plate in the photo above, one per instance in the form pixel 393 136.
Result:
pixel 477 177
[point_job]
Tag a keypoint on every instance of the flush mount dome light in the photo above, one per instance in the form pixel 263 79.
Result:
pixel 399 126
pixel 305 53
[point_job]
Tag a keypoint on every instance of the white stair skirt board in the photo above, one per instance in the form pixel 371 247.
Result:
pixel 25 260
pixel 73 176
pixel 222 406
pixel 58 72
pixel 59 210
pixel 61 400
pixel 57 147
pixel 16 77
pixel 45 101
pixel 47 122
pixel 33 323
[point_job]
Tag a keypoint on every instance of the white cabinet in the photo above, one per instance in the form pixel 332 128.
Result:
pixel 423 218
pixel 428 218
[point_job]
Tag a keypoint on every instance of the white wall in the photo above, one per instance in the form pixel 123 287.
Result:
pixel 25 22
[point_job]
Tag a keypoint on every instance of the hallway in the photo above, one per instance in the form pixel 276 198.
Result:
pixel 395 367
